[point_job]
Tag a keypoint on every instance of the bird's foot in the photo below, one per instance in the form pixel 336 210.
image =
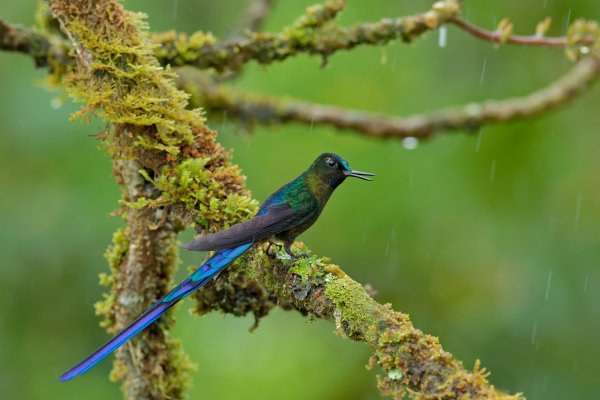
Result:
pixel 293 256
pixel 268 249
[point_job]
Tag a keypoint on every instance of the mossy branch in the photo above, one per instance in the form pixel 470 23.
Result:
pixel 151 137
pixel 252 109
pixel 581 41
pixel 313 33
pixel 413 363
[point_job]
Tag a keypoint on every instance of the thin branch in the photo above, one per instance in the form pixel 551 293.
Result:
pixel 254 109
pixel 309 34
pixel 256 14
pixel 499 36
pixel 24 40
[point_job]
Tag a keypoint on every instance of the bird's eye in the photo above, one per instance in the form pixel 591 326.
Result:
pixel 331 162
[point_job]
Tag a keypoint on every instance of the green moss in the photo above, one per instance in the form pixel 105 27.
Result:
pixel 354 308
pixel 115 255
pixel 123 83
pixel 202 191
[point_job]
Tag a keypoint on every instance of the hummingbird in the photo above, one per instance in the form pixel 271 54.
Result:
pixel 280 219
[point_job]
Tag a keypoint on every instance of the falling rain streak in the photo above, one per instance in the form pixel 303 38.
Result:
pixel 534 333
pixel 483 71
pixel 568 20
pixel 175 8
pixel 224 121
pixel 585 284
pixel 493 171
pixel 478 144
pixel 548 285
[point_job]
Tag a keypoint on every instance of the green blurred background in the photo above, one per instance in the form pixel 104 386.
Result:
pixel 489 240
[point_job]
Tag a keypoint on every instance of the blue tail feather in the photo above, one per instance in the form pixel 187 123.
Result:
pixel 217 263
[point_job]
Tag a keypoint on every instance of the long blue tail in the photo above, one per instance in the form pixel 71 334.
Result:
pixel 217 263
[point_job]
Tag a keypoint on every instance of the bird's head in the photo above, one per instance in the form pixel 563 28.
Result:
pixel 333 170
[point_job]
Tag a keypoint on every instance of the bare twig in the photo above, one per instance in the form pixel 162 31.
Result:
pixel 501 37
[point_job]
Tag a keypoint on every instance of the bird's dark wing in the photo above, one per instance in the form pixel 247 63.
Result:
pixel 271 220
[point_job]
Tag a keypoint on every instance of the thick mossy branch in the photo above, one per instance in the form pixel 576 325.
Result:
pixel 313 33
pixel 251 109
pixel 155 143
pixel 412 362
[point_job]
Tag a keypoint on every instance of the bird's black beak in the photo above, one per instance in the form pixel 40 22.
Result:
pixel 359 175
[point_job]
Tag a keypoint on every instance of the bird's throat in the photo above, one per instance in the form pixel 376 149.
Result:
pixel 320 189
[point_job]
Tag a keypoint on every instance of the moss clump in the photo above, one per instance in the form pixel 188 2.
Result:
pixel 354 308
pixel 202 192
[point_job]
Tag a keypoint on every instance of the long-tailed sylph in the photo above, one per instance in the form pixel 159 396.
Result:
pixel 283 216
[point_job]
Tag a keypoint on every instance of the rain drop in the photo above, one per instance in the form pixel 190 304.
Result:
pixel 410 143
pixel 585 284
pixel 443 34
pixel 56 103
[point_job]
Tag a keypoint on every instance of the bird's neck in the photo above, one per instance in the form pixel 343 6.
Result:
pixel 320 189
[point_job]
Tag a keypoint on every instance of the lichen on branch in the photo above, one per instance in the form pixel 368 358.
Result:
pixel 314 33
pixel 412 363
